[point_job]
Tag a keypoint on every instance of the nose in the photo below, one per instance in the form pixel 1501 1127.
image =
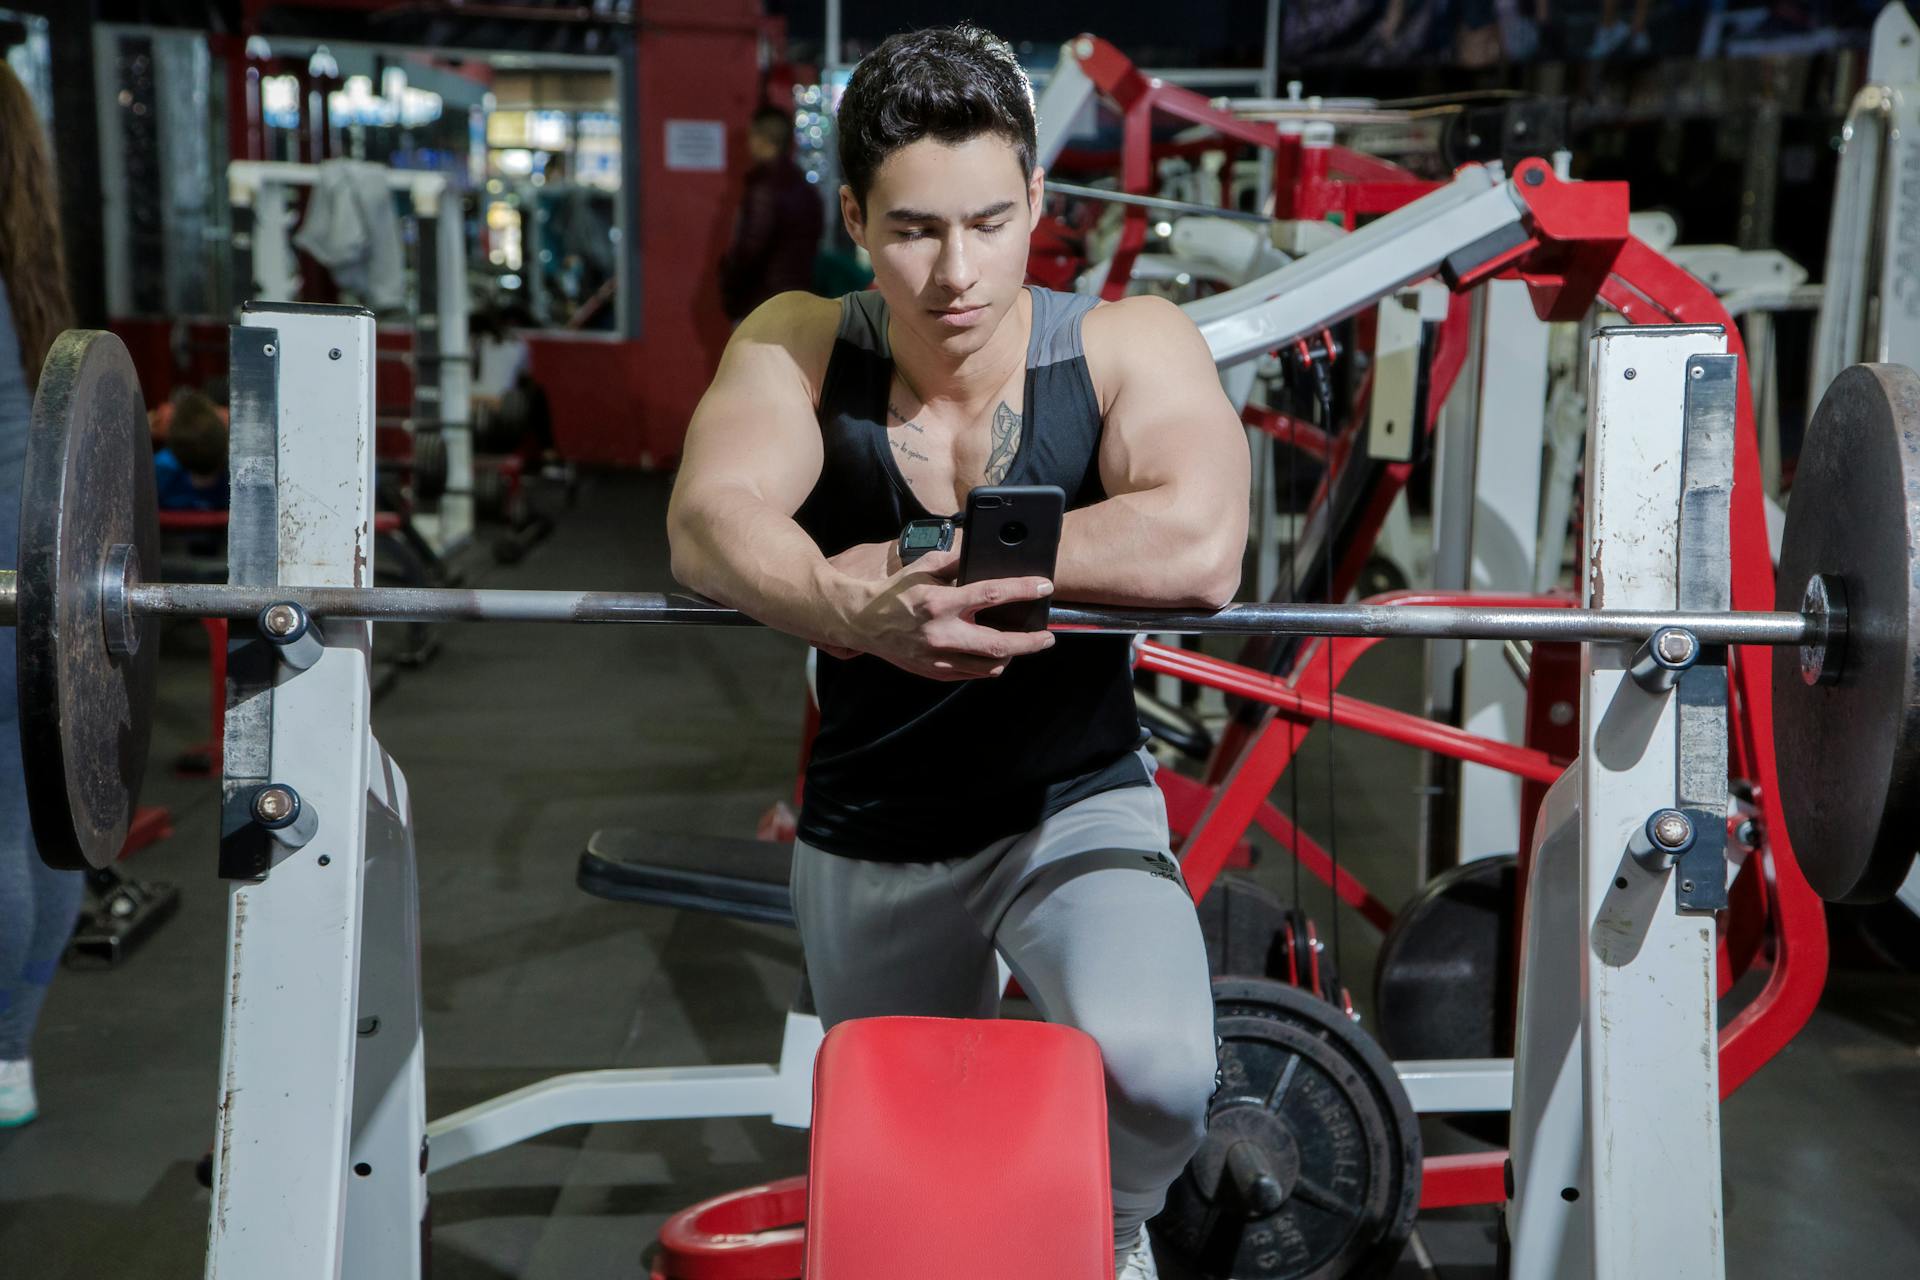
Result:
pixel 954 271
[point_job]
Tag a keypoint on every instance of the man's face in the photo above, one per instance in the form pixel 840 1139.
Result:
pixel 947 228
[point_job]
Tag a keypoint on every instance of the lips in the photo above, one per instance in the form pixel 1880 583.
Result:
pixel 960 316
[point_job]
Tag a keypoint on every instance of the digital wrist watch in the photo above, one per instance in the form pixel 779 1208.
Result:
pixel 922 536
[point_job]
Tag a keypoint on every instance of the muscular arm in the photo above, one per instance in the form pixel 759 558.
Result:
pixel 752 455
pixel 1173 460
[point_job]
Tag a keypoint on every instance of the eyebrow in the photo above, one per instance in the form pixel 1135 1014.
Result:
pixel 920 215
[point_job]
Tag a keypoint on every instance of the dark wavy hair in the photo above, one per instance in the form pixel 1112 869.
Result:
pixel 31 261
pixel 946 83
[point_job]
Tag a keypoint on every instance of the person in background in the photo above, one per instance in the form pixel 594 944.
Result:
pixel 577 246
pixel 190 471
pixel 38 905
pixel 777 232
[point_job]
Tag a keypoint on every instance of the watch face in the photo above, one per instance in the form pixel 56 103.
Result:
pixel 923 537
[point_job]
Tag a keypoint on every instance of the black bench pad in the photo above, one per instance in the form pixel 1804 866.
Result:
pixel 728 875
pixel 1174 726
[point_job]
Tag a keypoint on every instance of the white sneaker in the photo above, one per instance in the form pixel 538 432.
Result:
pixel 1139 1263
pixel 17 1103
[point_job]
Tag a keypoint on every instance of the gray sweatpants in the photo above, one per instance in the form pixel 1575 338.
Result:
pixel 1089 911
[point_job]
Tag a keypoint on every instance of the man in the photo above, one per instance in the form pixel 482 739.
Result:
pixel 974 791
pixel 778 231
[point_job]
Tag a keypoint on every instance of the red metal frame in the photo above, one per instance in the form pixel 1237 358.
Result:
pixel 1448 360
pixel 1449 1181
pixel 1288 430
pixel 151 824
pixel 1382 722
pixel 1311 182
pixel 1307 694
pixel 1139 97
pixel 1331 183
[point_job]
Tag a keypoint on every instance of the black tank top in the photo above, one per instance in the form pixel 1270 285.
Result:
pixel 907 769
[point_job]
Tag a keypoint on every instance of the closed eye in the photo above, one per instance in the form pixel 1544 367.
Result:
pixel 991 227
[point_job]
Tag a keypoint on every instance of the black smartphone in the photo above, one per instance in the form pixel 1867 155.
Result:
pixel 1012 531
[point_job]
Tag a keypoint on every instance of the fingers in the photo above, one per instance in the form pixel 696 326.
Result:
pixel 992 643
pixel 997 650
pixel 983 647
pixel 984 595
pixel 941 565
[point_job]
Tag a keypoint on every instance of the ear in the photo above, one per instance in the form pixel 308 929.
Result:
pixel 850 215
pixel 1036 194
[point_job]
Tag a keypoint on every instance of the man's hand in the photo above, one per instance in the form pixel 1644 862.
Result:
pixel 869 561
pixel 919 621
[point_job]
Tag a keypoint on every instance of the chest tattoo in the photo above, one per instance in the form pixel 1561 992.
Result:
pixel 1005 436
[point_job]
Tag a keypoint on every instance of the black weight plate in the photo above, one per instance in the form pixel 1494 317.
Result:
pixel 85 714
pixel 1240 921
pixel 429 466
pixel 1305 1083
pixel 1849 752
pixel 1444 985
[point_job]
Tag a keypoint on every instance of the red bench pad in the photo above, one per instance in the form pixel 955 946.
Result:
pixel 951 1149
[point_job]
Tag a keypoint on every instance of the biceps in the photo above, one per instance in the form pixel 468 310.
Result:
pixel 751 434
pixel 1192 449
pixel 736 445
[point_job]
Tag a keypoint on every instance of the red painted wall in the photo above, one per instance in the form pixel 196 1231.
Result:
pixel 627 403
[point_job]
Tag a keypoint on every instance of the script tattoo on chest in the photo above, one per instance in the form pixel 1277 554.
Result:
pixel 1005 435
pixel 900 446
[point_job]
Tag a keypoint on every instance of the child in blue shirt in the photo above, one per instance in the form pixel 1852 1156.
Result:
pixel 190 472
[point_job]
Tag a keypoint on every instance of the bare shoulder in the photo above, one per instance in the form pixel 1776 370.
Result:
pixel 1144 334
pixel 792 331
pixel 1143 317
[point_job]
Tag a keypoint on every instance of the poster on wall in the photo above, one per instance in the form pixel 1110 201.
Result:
pixel 696 146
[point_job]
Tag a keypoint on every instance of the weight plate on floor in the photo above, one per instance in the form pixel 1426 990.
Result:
pixel 1311 1165
pixel 1444 985
pixel 1849 750
pixel 429 466
pixel 1241 922
pixel 85 712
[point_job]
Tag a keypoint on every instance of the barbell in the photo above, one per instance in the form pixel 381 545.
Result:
pixel 1846 625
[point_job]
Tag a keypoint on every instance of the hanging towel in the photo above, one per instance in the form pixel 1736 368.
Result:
pixel 351 229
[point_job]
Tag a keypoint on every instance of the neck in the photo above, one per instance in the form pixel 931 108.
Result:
pixel 936 377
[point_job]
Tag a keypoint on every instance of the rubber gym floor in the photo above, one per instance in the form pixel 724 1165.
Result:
pixel 518 741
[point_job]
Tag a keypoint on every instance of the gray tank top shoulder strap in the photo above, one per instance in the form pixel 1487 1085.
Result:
pixel 1056 327
pixel 863 322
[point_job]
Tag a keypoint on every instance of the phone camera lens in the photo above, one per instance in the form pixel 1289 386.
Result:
pixel 1013 533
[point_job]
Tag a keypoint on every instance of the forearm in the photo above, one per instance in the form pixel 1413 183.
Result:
pixel 735 549
pixel 1151 549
